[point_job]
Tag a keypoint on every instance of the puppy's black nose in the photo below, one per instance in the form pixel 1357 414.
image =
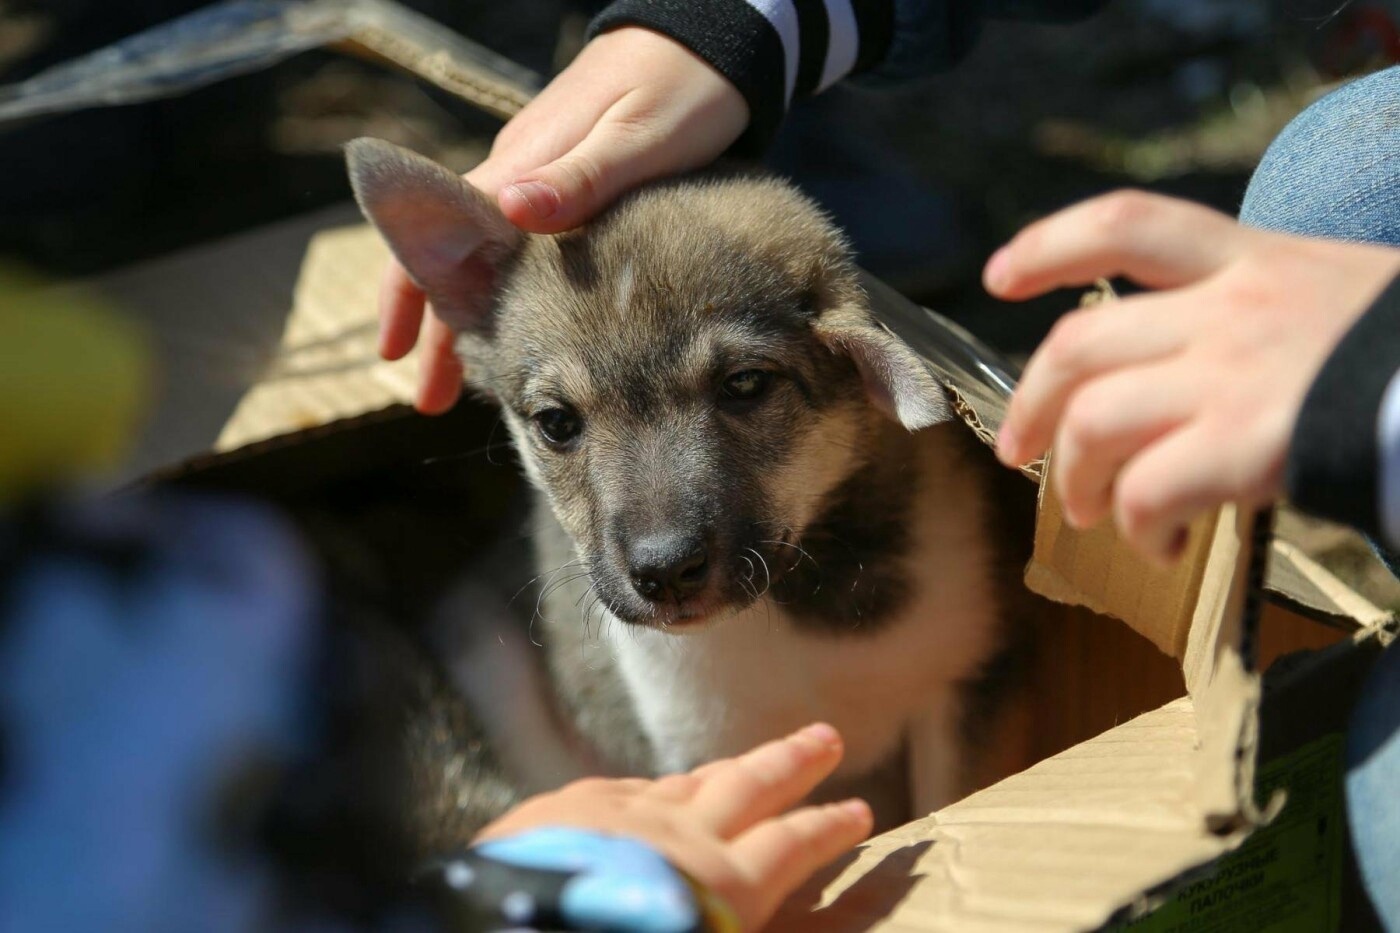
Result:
pixel 666 567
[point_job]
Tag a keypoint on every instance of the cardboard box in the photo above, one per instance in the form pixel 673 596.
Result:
pixel 1188 725
pixel 1153 719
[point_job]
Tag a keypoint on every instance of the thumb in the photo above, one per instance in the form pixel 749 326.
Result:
pixel 573 188
pixel 632 144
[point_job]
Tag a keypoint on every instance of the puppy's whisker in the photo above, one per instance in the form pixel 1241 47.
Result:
pixel 801 553
pixel 572 563
pixel 560 584
pixel 588 610
pixel 752 571
pixel 767 576
pixel 487 449
pixel 539 601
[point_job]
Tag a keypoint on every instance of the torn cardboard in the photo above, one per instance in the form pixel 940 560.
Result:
pixel 1103 829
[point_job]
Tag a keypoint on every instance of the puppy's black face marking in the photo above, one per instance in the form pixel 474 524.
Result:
pixel 849 576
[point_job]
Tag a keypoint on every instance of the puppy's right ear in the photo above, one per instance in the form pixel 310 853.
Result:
pixel 449 237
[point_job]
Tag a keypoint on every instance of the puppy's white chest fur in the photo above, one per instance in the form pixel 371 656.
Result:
pixel 746 679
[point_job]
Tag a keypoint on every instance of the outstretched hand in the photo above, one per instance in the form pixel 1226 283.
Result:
pixel 635 105
pixel 724 823
pixel 1166 404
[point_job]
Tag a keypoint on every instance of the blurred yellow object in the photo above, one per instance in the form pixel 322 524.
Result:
pixel 74 378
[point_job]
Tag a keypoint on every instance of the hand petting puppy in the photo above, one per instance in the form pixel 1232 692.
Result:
pixel 1166 404
pixel 723 824
pixel 634 106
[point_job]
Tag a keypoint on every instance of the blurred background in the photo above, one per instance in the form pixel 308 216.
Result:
pixel 1176 95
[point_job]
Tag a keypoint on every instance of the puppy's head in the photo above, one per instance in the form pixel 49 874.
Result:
pixel 686 378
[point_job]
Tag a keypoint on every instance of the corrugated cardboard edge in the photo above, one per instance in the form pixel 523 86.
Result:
pixel 416 44
pixel 1064 845
pixel 1219 676
pixel 1093 568
pixel 1193 612
pixel 327 366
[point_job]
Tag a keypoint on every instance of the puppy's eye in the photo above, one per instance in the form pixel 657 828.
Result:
pixel 558 426
pixel 747 384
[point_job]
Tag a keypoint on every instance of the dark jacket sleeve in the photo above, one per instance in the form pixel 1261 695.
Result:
pixel 779 51
pixel 1344 459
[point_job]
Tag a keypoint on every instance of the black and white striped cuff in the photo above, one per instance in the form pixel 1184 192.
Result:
pixel 773 51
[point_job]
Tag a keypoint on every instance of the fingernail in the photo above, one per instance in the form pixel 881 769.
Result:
pixel 822 733
pixel 855 808
pixel 996 275
pixel 1006 446
pixel 540 198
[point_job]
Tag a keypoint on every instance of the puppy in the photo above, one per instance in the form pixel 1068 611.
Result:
pixel 758 506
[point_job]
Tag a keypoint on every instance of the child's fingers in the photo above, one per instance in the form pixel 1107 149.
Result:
pixel 440 371
pixel 1156 241
pixel 778 855
pixel 674 788
pixel 1085 344
pixel 400 312
pixel 767 780
pixel 1202 465
pixel 1108 421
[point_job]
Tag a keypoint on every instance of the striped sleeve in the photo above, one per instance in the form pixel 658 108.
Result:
pixel 773 51
pixel 779 51
pixel 1344 458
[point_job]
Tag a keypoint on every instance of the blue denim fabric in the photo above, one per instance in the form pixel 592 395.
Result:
pixel 1373 786
pixel 1335 172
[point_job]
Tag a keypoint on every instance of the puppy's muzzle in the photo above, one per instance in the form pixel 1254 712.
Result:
pixel 668 568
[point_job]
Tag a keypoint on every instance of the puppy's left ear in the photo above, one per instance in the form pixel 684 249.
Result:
pixel 896 379
pixel 450 237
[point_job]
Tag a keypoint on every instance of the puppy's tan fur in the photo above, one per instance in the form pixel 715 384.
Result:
pixel 848 570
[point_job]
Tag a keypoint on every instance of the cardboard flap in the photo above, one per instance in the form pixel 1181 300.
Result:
pixel 1093 568
pixel 1306 586
pixel 1217 668
pixel 1064 845
pixel 1193 611
pixel 327 366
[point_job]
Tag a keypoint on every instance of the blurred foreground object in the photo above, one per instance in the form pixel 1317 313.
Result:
pixel 73 381
pixel 151 653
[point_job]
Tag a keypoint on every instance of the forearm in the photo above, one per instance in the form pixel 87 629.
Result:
pixel 1344 460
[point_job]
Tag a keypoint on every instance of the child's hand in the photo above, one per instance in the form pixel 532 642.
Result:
pixel 724 823
pixel 635 105
pixel 1164 405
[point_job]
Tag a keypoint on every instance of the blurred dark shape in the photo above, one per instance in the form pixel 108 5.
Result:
pixel 928 177
pixel 104 187
pixel 273 747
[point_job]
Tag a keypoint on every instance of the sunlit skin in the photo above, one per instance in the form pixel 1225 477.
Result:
pixel 1169 403
pixel 724 823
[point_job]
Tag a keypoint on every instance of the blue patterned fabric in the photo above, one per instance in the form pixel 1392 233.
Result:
pixel 574 879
